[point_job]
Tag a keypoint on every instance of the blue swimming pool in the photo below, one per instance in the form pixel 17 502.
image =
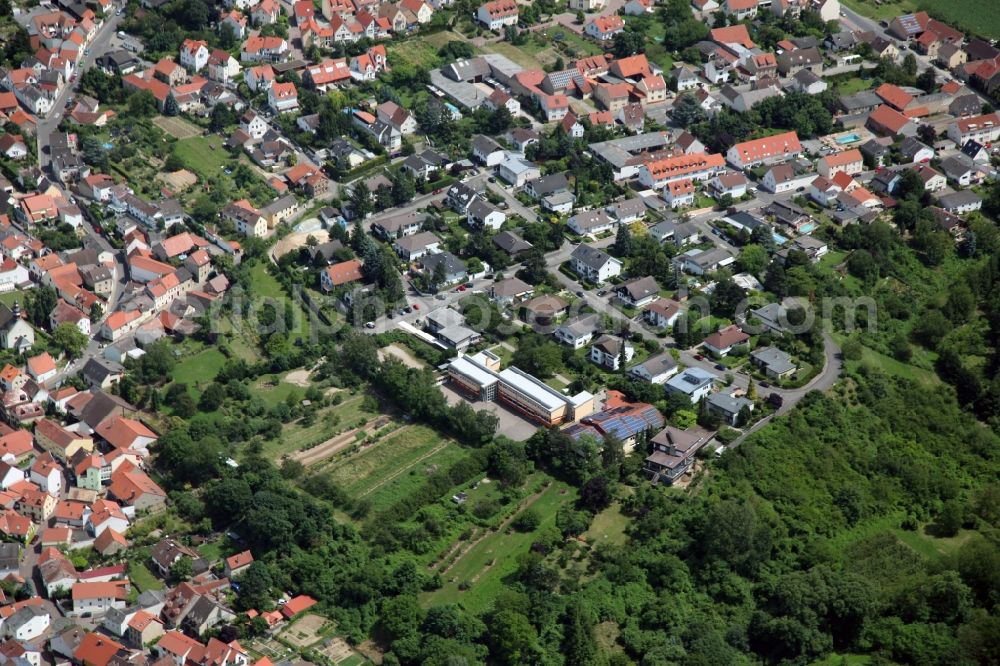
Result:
pixel 779 239
pixel 807 228
pixel 848 138
pixel 108 146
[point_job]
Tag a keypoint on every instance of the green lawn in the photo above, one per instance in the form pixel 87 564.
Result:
pixel 263 283
pixel 485 566
pixel 143 578
pixel 213 551
pixel 608 527
pixel 8 297
pixel 200 367
pixel 416 52
pixel 203 155
pixel 891 366
pixel 853 85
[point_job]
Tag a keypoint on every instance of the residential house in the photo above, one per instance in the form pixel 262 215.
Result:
pixel 775 363
pixel 607 351
pixel 693 382
pixel 594 265
pixel 722 342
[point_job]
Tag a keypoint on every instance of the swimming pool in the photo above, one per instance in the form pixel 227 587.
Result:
pixel 807 228
pixel 848 138
pixel 107 146
pixel 778 238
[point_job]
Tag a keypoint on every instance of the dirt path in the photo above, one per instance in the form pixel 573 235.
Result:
pixel 332 446
pixel 455 546
pixel 402 354
pixel 404 469
pixel 293 241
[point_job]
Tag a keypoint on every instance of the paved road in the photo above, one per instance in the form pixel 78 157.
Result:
pixel 852 20
pixel 832 368
pixel 98 46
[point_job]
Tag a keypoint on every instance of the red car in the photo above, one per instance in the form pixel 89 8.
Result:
pixel 699 357
pixel 416 306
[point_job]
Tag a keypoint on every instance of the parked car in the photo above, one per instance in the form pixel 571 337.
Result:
pixel 719 366
pixel 579 293
pixel 699 357
pixel 765 385
pixel 369 324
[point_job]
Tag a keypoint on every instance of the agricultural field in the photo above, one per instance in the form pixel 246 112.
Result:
pixel 328 423
pixel 394 465
pixel 968 15
pixel 177 127
pixel 476 576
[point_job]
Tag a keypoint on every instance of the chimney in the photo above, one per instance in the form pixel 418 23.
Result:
pixel 17 309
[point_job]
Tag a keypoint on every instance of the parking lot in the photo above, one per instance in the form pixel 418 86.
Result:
pixel 511 425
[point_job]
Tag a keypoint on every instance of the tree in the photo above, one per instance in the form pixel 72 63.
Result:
pixel 535 270
pixel 627 43
pixel 623 241
pixel 39 303
pixel 70 339
pixel 212 398
pixel 513 639
pixel 753 259
pixel 182 569
pixel 595 495
pixel 96 312
pixel 579 645
pixel 142 104
pixel 170 107
pixel 687 111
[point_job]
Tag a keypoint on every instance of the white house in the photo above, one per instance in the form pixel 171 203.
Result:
pixel 517 170
pixel 594 265
pixel 497 14
pixel 27 623
pixel 194 54
pixel 607 351
pixel 655 370
pixel 577 332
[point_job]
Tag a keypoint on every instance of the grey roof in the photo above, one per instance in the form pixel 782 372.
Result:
pixel 417 241
pixel 639 288
pixel 591 256
pixel 910 146
pixel 806 77
pixel 657 365
pixel 467 70
pixel 485 145
pixel 728 403
pixel 97 370
pixel 860 100
pixel 582 325
pixel 277 205
pixel 510 287
pixel 554 182
pixel 959 199
pixel 709 258
pixel 479 209
pixel 591 219
pixel 956 166
pixel 511 243
pixel 452 264
pixel 775 359
pixel 628 208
